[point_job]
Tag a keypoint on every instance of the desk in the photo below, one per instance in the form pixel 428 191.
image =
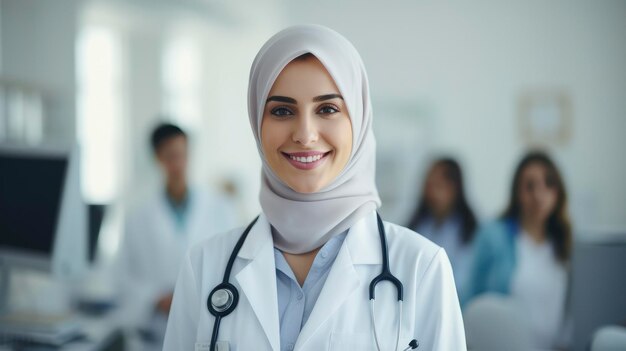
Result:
pixel 102 333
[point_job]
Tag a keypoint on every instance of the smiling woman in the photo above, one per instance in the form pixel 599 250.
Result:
pixel 299 276
pixel 306 131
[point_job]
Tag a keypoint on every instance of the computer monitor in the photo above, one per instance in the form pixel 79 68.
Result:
pixel 43 219
pixel 96 216
pixel 598 296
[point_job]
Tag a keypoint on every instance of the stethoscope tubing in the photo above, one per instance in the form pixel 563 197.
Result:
pixel 385 275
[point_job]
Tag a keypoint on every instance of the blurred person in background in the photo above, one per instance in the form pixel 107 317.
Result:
pixel 444 216
pixel 157 234
pixel 526 253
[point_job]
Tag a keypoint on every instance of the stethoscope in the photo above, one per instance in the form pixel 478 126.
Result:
pixel 224 297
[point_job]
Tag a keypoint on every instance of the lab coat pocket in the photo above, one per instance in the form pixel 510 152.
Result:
pixel 352 341
pixel 206 346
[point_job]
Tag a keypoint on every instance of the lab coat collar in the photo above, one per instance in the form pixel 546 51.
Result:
pixel 259 236
pixel 258 279
pixel 363 241
pixel 362 246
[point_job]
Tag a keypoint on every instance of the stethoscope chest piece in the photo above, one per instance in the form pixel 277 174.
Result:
pixel 413 345
pixel 222 300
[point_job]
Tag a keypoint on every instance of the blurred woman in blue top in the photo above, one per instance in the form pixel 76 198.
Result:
pixel 444 216
pixel 525 254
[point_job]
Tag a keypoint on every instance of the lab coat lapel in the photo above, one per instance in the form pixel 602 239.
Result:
pixel 258 279
pixel 343 280
pixel 341 283
pixel 362 246
pixel 165 216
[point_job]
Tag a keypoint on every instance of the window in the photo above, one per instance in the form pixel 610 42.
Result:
pixel 99 113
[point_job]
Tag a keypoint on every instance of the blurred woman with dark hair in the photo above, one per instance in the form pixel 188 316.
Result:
pixel 526 253
pixel 444 216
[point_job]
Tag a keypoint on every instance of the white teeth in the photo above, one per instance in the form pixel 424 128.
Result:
pixel 307 159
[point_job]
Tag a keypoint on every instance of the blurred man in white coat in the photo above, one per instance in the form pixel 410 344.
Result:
pixel 158 233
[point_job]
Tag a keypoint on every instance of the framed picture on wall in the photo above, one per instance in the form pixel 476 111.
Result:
pixel 545 117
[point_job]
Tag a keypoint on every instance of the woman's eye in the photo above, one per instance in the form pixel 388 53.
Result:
pixel 281 112
pixel 327 110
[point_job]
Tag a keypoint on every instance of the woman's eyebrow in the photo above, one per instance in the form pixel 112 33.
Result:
pixel 281 99
pixel 327 97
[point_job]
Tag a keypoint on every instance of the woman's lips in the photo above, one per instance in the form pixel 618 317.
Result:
pixel 306 160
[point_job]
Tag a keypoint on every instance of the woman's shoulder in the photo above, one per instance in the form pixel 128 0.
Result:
pixel 418 256
pixel 215 247
pixel 496 230
pixel 410 244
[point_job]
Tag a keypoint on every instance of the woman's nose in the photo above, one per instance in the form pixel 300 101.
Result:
pixel 305 130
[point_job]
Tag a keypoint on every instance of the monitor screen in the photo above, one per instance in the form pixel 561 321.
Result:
pixel 598 286
pixel 31 188
pixel 96 214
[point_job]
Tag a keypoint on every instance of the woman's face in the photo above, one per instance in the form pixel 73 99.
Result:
pixel 440 192
pixel 538 195
pixel 306 133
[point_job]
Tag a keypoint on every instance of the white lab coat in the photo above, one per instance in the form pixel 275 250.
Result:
pixel 340 319
pixel 153 247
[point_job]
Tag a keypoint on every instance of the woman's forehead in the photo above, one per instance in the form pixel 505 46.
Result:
pixel 304 77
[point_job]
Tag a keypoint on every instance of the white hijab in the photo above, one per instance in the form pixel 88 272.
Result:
pixel 304 222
